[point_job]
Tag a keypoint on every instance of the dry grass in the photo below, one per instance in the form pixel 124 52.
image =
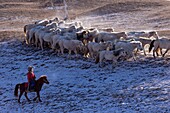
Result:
pixel 15 14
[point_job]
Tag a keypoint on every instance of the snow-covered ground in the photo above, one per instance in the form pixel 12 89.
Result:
pixel 81 86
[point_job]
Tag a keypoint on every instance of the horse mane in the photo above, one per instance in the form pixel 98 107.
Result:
pixel 123 32
pixel 152 32
pixel 134 41
pixel 43 76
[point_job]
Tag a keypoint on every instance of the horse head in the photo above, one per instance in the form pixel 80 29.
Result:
pixel 120 52
pixel 137 44
pixel 109 45
pixel 123 34
pixel 85 34
pixel 44 79
pixel 153 34
pixel 80 28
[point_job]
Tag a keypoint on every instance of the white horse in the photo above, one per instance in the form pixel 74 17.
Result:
pixel 77 24
pixel 42 22
pixel 71 35
pixel 94 47
pixel 68 29
pixel 110 55
pixel 39 33
pixel 47 37
pixel 30 26
pixel 144 42
pixel 129 47
pixel 106 36
pixel 162 43
pixel 31 34
pixel 144 34
pixel 27 29
pixel 55 42
pixel 107 29
pixel 56 19
pixel 70 45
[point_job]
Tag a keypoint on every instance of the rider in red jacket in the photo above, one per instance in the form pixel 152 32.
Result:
pixel 31 77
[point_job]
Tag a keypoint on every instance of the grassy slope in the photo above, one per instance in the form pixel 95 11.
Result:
pixel 14 15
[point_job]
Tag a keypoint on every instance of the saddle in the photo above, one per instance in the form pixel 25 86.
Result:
pixel 31 86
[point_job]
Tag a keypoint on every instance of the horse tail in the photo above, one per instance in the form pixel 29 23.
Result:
pixel 151 45
pixel 25 27
pixel 16 90
pixel 97 58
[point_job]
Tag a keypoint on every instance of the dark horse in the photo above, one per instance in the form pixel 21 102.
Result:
pixel 24 88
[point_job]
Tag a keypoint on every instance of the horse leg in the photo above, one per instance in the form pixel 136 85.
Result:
pixel 134 58
pixel 101 64
pixel 144 51
pixel 161 51
pixel 136 52
pixel 62 50
pixel 41 44
pixel 27 96
pixel 114 63
pixel 51 42
pixel 157 50
pixel 38 95
pixel 35 98
pixel 36 42
pixel 154 53
pixel 100 60
pixel 75 51
pixel 165 53
pixel 29 40
pixel 58 50
pixel 92 55
pixel 21 92
pixel 26 37
pixel 69 54
pixel 143 47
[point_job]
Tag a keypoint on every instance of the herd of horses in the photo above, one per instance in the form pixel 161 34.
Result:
pixel 92 43
pixel 98 44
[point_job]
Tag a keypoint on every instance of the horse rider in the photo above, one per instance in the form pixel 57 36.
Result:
pixel 31 78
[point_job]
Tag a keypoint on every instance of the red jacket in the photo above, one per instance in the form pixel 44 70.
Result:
pixel 30 76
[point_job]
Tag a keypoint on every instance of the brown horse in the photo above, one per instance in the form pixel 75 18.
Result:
pixel 24 88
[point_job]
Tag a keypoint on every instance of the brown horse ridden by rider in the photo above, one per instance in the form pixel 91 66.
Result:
pixel 23 87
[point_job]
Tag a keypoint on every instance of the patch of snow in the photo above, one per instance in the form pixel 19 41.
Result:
pixel 80 86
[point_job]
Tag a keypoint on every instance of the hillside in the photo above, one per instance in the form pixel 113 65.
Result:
pixel 77 84
pixel 122 15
